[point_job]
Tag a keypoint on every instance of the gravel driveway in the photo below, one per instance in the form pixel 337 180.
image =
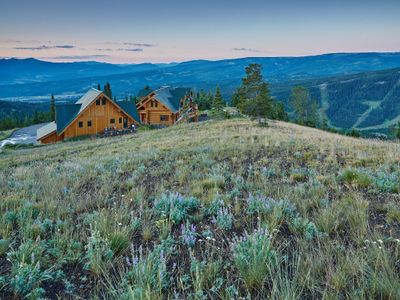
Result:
pixel 26 135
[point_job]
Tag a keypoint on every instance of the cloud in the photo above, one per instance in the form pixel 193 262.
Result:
pixel 139 45
pixel 77 56
pixel 45 47
pixel 104 49
pixel 246 49
pixel 130 49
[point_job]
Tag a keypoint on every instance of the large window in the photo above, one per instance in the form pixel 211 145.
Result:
pixel 120 120
pixel 103 101
pixel 164 118
pixel 98 102
pixel 89 123
pixel 155 103
pixel 80 124
pixel 112 121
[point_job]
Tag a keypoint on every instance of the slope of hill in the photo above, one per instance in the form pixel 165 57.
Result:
pixel 217 210
pixel 369 100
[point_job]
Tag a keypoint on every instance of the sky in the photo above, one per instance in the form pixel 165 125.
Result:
pixel 132 31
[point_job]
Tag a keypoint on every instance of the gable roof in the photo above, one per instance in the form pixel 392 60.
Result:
pixel 46 130
pixel 170 97
pixel 66 113
pixel 130 108
pixel 144 92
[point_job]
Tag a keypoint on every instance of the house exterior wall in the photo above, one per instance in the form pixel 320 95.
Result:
pixel 153 112
pixel 52 138
pixel 100 117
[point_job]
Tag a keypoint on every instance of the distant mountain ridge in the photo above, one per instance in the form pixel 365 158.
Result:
pixel 355 90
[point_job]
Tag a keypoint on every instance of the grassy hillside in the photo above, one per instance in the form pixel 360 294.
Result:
pixel 221 209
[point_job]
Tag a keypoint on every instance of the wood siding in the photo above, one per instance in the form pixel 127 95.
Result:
pixel 94 119
pixel 52 138
pixel 100 117
pixel 151 111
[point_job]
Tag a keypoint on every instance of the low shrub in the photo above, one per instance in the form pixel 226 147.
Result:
pixel 254 258
pixel 175 206
pixel 356 178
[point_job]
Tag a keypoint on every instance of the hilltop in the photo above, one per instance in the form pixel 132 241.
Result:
pixel 217 209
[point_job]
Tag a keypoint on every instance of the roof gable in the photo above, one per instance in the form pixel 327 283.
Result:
pixel 67 113
pixel 46 130
pixel 130 108
pixel 171 97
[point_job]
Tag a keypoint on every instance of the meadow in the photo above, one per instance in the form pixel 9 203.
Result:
pixel 211 210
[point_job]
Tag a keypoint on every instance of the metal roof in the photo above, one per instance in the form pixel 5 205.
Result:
pixel 171 97
pixel 130 108
pixel 46 130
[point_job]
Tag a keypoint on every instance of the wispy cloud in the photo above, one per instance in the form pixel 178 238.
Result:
pixel 139 45
pixel 246 50
pixel 77 56
pixel 131 49
pixel 45 47
pixel 104 49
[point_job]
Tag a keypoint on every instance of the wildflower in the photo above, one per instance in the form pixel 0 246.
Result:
pixel 188 234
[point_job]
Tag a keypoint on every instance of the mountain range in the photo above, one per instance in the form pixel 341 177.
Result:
pixel 355 90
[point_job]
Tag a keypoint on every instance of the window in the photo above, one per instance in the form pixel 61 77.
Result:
pixel 120 120
pixel 98 102
pixel 112 121
pixel 89 123
pixel 103 101
pixel 164 118
pixel 151 103
pixel 80 124
pixel 156 104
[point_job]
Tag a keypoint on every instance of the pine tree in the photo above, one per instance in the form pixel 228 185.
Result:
pixel 52 108
pixel 98 87
pixel 218 102
pixel 107 90
pixel 253 96
pixel 398 130
pixel 305 109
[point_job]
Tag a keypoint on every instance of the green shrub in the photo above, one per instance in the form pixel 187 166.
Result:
pixel 254 258
pixel 119 242
pixel 175 206
pixel 356 178
pixel 98 254
pixel 224 219
pixel 4 244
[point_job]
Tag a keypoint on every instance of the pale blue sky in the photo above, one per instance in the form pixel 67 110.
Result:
pixel 163 31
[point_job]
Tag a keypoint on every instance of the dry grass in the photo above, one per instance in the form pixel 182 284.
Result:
pixel 183 197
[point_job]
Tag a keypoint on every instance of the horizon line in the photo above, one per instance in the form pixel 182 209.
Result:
pixel 48 59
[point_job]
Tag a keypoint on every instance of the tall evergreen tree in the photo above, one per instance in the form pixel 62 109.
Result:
pixel 52 108
pixel 107 90
pixel 397 134
pixel 218 102
pixel 305 109
pixel 253 96
pixel 98 87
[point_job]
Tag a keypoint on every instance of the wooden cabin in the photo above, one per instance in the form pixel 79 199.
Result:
pixel 166 106
pixel 90 115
